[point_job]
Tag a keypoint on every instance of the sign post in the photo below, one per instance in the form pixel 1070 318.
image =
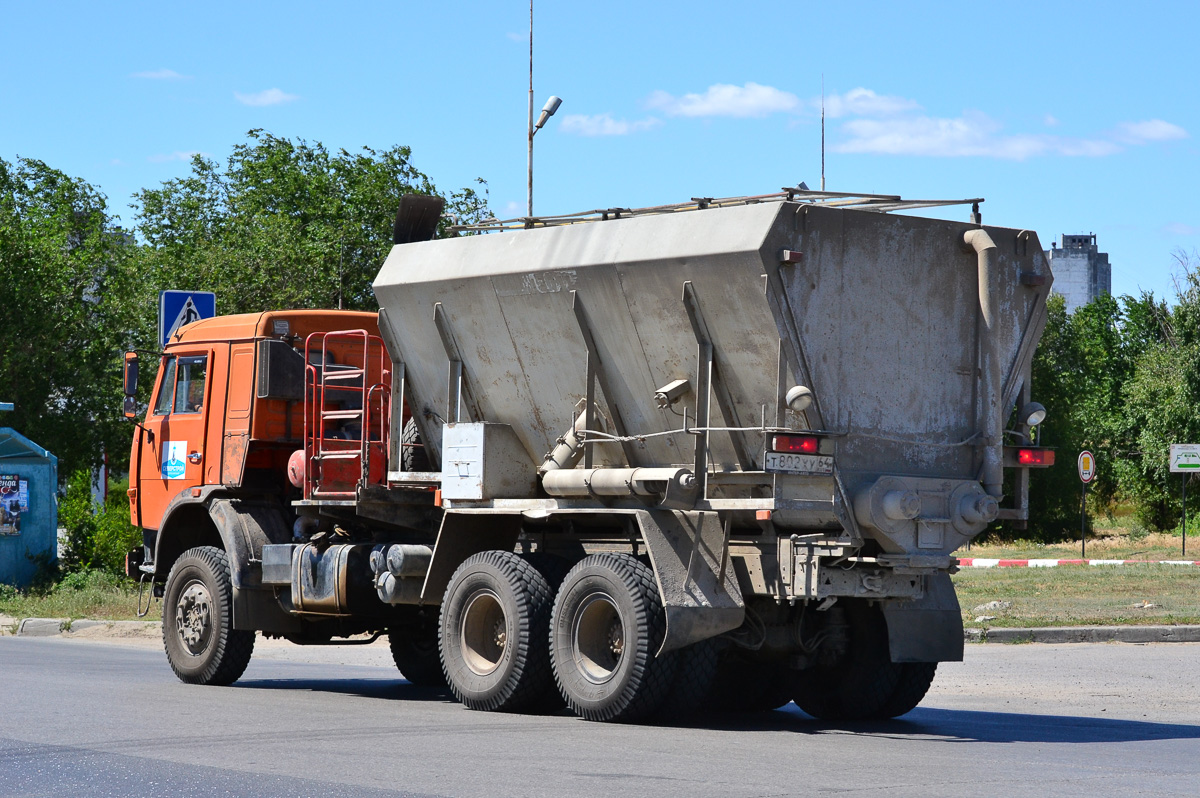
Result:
pixel 1086 466
pixel 1185 459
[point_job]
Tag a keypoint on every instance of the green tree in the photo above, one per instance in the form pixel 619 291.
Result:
pixel 65 276
pixel 1162 404
pixel 1081 373
pixel 285 224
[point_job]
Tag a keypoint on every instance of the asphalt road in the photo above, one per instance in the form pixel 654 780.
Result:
pixel 91 718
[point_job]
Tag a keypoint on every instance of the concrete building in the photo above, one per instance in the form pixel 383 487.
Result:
pixel 1081 271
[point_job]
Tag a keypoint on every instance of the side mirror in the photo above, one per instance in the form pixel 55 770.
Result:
pixel 131 373
pixel 130 385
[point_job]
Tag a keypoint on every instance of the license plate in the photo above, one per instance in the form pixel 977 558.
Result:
pixel 784 463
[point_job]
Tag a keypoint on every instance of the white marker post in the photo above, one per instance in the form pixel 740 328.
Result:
pixel 1185 459
pixel 1086 466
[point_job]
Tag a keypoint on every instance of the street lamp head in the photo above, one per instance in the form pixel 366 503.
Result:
pixel 548 111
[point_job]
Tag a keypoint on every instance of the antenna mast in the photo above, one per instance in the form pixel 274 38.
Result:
pixel 822 128
pixel 529 209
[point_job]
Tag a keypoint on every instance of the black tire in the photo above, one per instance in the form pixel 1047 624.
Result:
pixel 695 675
pixel 743 684
pixel 607 625
pixel 415 652
pixel 862 684
pixel 413 456
pixel 915 679
pixel 495 625
pixel 201 644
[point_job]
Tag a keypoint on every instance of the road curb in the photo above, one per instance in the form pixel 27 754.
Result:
pixel 41 627
pixel 1087 634
pixel 52 627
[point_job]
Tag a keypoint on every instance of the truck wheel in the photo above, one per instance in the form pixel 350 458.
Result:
pixel 915 679
pixel 694 677
pixel 494 628
pixel 413 456
pixel 862 684
pixel 202 645
pixel 415 652
pixel 607 624
pixel 743 684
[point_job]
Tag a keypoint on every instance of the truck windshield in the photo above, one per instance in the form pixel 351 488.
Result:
pixel 166 389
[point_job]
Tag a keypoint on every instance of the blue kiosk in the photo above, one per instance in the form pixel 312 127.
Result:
pixel 28 507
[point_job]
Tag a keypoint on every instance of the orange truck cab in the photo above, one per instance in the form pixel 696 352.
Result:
pixel 235 399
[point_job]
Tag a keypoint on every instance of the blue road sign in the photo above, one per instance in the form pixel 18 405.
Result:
pixel 177 308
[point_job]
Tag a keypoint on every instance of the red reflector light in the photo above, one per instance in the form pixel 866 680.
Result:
pixel 796 444
pixel 1035 457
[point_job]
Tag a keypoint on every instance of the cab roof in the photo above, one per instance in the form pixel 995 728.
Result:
pixel 248 326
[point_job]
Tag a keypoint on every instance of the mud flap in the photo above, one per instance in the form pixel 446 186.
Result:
pixel 244 528
pixel 462 534
pixel 689 553
pixel 928 629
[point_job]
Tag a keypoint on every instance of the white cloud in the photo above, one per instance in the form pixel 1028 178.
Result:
pixel 1150 130
pixel 513 209
pixel 520 38
pixel 972 134
pixel 268 97
pixel 160 74
pixel 604 125
pixel 178 155
pixel 864 102
pixel 1050 120
pixel 1181 229
pixel 723 99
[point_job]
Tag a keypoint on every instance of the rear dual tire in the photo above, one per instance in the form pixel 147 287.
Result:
pixel 607 625
pixel 494 626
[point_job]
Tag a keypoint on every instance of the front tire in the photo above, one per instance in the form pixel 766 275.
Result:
pixel 201 644
pixel 494 627
pixel 607 625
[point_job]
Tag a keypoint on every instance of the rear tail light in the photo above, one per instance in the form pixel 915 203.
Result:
pixel 1035 457
pixel 795 444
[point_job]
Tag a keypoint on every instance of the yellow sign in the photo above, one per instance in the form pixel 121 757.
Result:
pixel 1087 466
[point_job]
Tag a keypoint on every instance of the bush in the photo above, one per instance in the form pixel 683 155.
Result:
pixel 95 540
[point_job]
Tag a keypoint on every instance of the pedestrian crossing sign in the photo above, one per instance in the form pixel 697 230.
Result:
pixel 177 308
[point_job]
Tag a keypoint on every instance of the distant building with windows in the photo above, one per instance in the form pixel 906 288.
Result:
pixel 1081 271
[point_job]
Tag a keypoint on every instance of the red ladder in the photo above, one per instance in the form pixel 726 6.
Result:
pixel 338 457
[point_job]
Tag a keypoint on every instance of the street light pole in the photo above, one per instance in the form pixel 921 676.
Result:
pixel 547 111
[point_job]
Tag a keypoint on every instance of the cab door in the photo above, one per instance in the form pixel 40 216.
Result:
pixel 173 449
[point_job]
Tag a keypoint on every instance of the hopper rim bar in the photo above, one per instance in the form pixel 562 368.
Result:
pixel 881 203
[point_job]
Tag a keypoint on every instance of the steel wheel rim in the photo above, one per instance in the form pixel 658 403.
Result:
pixel 484 633
pixel 193 617
pixel 598 638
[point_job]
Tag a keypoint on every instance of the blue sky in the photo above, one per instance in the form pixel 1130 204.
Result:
pixel 1066 117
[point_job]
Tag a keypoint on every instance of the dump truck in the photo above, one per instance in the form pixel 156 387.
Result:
pixel 633 462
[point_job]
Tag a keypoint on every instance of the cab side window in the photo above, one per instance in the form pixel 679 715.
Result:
pixel 166 388
pixel 189 384
pixel 182 387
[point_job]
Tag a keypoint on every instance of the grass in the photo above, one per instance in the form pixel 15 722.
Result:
pixel 1104 544
pixel 1080 595
pixel 91 594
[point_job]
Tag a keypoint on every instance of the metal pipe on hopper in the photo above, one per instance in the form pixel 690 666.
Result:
pixel 991 422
